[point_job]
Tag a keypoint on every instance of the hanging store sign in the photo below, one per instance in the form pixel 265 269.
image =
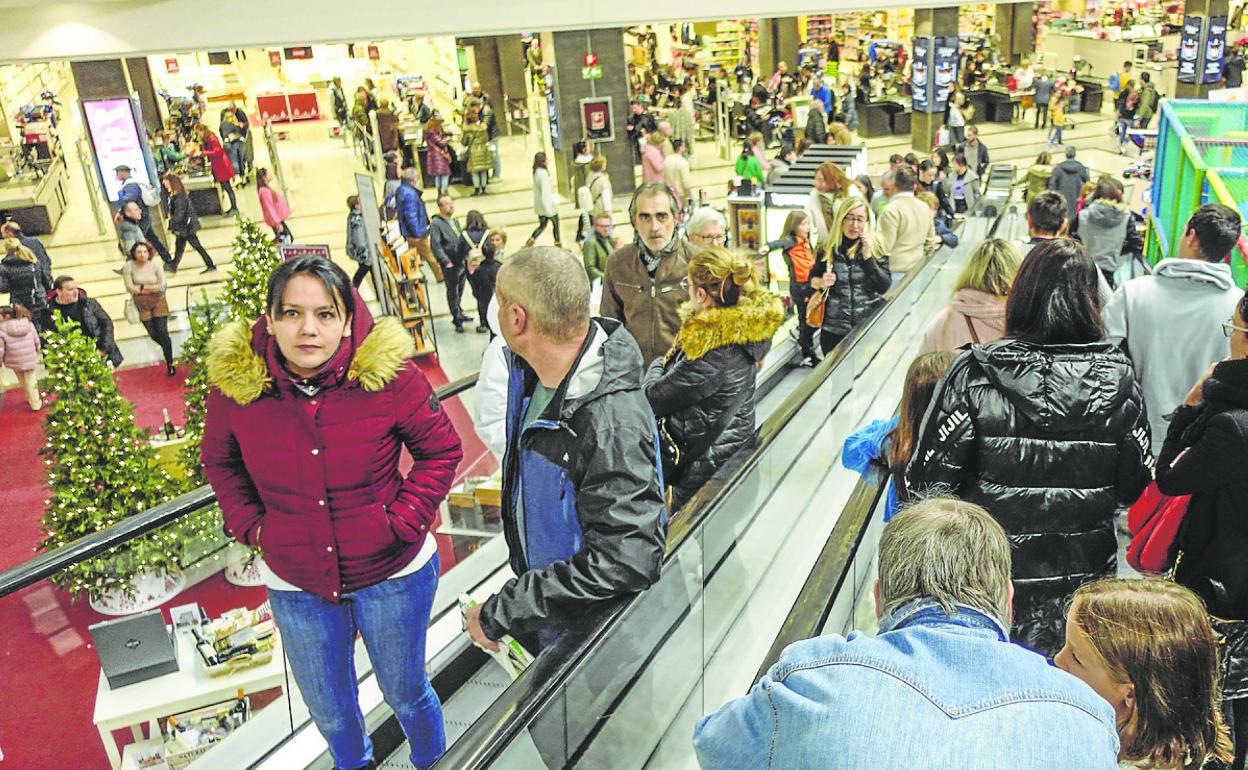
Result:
pixel 1189 48
pixel 591 73
pixel 374 52
pixel 298 52
pixel 1215 49
pixel 289 251
pixel 171 65
pixel 597 119
pixel 591 60
pixel 275 58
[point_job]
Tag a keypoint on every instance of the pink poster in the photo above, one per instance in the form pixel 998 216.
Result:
pixel 115 137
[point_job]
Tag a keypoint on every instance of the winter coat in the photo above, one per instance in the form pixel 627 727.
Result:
pixel 222 169
pixel 446 240
pixel 1050 439
pixel 948 331
pixel 976 157
pixel 25 282
pixel 19 344
pixel 413 217
pixel 682 127
pixel 183 220
pixel 41 254
pixel 595 251
pixel 1068 179
pixel 1103 229
pixel 865 452
pixel 1188 294
pixel 477 143
pixel 857 293
pixel 314 481
pixel 703 389
pixel 970 188
pixel 1038 177
pixel 543 194
pixel 1206 456
pixel 651 164
pixel 799 288
pixel 273 206
pixel 357 239
pixel 129 233
pixel 387 129
pixel 816 128
pixel 1147 106
pixel 438 158
pixel 648 307
pixel 599 185
pixel 96 324
pixel 594 522
pixel 489 418
pixel 748 167
pixel 903 230
pixel 849 112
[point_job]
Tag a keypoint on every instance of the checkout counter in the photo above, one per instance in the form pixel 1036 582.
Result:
pixel 36 204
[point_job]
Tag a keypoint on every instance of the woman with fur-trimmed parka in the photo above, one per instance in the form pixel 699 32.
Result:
pixel 702 391
pixel 310 410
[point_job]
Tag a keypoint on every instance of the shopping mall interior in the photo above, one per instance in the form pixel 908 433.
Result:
pixel 334 102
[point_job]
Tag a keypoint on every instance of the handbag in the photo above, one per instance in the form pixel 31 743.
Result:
pixel 970 327
pixel 816 308
pixel 131 311
pixel 1153 521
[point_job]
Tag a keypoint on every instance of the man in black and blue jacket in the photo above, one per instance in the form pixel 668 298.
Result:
pixel 583 506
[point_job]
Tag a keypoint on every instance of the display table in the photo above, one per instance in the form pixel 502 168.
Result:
pixel 205 195
pixel 886 117
pixel 188 688
pixel 35 205
pixel 1002 104
pixel 287 106
pixel 1093 95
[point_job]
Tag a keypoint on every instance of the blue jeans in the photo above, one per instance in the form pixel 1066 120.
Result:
pixel 1124 126
pixel 236 151
pixel 392 617
pixel 441 182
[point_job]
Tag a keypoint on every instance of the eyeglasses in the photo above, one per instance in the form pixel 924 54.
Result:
pixel 1229 327
pixel 855 220
pixel 714 240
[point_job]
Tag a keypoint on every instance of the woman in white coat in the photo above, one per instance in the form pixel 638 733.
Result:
pixel 543 200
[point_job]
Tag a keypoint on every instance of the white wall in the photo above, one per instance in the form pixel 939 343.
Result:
pixel 85 30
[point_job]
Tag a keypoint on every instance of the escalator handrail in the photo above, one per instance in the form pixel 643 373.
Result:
pixel 819 593
pixel 505 719
pixel 46 565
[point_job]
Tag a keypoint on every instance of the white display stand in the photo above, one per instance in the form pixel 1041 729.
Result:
pixel 183 690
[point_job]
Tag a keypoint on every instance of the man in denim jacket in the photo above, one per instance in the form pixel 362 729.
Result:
pixel 940 687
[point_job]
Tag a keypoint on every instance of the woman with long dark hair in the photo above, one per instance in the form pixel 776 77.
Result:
pixel 183 223
pixel 345 533
pixel 1047 430
pixel 273 205
pixel 144 279
pixel 543 201
pixel 222 170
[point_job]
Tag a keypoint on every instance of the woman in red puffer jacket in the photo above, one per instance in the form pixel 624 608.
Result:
pixel 310 410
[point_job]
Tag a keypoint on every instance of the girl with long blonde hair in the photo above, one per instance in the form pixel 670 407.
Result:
pixel 849 271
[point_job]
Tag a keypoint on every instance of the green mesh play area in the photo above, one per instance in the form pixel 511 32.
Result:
pixel 1202 157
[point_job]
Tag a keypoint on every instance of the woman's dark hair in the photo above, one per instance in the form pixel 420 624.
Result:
pixel 175 183
pixel 865 181
pixel 151 250
pixel 262 177
pixel 921 378
pixel 1056 297
pixel 352 202
pixel 1108 189
pixel 335 280
pixel 475 221
pixel 15 311
pixel 539 161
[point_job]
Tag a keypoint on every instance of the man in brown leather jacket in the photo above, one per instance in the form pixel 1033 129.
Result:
pixel 642 285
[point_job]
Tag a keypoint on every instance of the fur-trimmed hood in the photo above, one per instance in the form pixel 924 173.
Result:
pixel 243 362
pixel 753 320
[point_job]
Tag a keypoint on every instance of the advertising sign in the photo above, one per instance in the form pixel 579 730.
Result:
pixel 552 112
pixel 298 52
pixel 275 58
pixel 1215 49
pixel 113 128
pixel 289 251
pixel 920 68
pixel 945 65
pixel 171 65
pixel 1189 48
pixel 597 119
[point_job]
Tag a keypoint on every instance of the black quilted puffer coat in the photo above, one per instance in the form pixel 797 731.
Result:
pixel 858 291
pixel 1050 439
pixel 703 389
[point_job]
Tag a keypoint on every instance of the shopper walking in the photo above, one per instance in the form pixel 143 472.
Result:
pixel 702 390
pixel 1205 456
pixel 956 119
pixel 273 206
pixel 652 158
pixel 905 227
pixel 12 229
pixel 1057 118
pixel 71 303
pixel 438 157
pixel 387 127
pixel 358 247
pixel 1038 176
pixel 144 279
pixel 976 153
pixel 349 551
pixel 590 529
pixel 129 229
pixel 1104 227
pixel 134 190
pixel 799 257
pixel 19 351
pixel 961 186
pixel 1125 106
pixel 484 276
pixel 977 313
pixel 184 224
pixel 543 201
pixel 850 271
pixel 596 249
pixel 1044 94
pixel 446 238
pixel 1149 99
pixel 414 222
pixel 26 283
pixel 676 172
pixel 1147 648
pixel 477 147
pixel 599 185
pixel 1068 179
pixel 222 170
pixel 1047 429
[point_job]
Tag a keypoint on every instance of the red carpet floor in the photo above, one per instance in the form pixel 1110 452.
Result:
pixel 48 671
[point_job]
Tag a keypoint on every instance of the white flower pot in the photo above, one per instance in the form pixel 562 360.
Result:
pixel 242 569
pixel 151 589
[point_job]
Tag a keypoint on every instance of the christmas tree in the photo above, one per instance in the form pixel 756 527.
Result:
pixel 205 318
pixel 100 468
pixel 255 259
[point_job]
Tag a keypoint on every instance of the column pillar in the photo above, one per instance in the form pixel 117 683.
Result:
pixel 566 60
pixel 1012 25
pixel 930 22
pixel 1204 9
pixel 778 41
